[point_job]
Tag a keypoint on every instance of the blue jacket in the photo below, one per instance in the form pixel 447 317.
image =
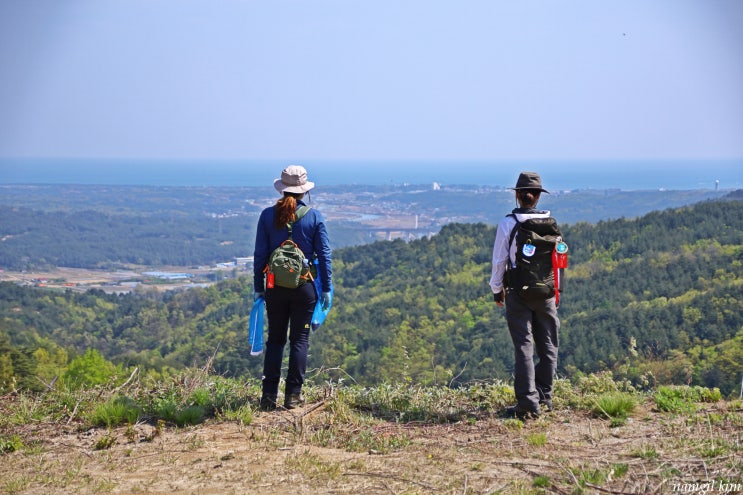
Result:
pixel 310 235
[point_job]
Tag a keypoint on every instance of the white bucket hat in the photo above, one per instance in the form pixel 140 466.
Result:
pixel 293 180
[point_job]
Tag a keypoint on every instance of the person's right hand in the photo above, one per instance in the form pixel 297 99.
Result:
pixel 499 297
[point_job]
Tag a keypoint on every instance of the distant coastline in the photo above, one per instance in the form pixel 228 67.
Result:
pixel 558 175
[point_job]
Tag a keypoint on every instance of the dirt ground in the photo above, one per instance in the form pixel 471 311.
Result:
pixel 279 452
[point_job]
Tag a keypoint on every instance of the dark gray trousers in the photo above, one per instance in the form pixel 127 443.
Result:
pixel 533 326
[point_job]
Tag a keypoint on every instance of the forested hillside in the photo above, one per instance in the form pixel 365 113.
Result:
pixel 657 299
pixel 38 240
pixel 88 226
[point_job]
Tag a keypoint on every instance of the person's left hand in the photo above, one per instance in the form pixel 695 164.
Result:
pixel 326 300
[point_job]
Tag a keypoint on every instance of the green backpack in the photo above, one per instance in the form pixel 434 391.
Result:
pixel 288 266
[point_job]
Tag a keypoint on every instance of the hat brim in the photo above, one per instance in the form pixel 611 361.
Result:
pixel 537 188
pixel 282 188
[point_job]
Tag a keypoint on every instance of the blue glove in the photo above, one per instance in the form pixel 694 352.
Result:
pixel 326 300
pixel 257 295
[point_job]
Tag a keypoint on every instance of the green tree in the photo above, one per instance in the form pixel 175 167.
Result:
pixel 89 369
pixel 51 361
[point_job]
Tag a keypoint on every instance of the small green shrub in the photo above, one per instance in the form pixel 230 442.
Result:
pixel 601 383
pixel 200 397
pixel 513 424
pixel 171 411
pixel 620 470
pixel 115 412
pixel 714 449
pixel 674 405
pixel 242 414
pixel 646 452
pixel 538 439
pixel 165 408
pixel 193 396
pixel 10 444
pixel 683 399
pixel 708 394
pixel 190 415
pixel 541 482
pixel 616 406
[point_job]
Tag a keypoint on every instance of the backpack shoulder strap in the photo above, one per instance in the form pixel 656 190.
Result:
pixel 301 211
pixel 513 230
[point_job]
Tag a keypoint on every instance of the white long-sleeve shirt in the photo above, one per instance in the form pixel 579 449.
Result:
pixel 502 252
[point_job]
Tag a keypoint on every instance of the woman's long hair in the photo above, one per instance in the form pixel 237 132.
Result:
pixel 286 208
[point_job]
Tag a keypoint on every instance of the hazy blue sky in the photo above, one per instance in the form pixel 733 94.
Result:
pixel 384 79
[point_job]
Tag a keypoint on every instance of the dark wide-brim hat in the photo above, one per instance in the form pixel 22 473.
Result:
pixel 530 180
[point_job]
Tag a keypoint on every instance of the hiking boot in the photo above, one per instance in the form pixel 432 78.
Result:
pixel 546 404
pixel 267 403
pixel 519 412
pixel 292 401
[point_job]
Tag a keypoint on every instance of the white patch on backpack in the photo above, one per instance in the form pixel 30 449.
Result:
pixel 529 250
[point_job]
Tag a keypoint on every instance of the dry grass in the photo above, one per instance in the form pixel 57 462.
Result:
pixel 334 446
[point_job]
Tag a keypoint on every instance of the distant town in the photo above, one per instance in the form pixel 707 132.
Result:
pixel 354 215
pixel 127 280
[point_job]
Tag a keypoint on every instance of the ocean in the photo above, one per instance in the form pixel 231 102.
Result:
pixel 557 175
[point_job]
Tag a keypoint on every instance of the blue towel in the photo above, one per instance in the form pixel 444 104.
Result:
pixel 255 328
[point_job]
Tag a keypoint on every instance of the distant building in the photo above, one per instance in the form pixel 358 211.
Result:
pixel 436 186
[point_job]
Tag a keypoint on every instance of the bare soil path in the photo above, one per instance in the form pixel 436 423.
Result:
pixel 285 452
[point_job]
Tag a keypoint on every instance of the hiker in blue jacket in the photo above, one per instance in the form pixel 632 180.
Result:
pixel 532 324
pixel 290 309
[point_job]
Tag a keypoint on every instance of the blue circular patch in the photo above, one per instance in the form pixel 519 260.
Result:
pixel 529 250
